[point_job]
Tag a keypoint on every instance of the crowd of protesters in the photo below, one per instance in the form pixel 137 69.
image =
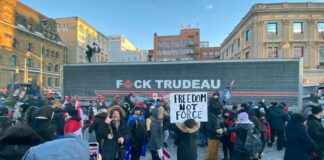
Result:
pixel 129 129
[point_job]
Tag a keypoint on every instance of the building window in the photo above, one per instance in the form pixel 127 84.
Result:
pixel 13 60
pixel 247 35
pixel 238 43
pixel 247 55
pixel 273 28
pixel 1 59
pixel 232 48
pixel 13 77
pixel 57 82
pixel 298 27
pixel 57 55
pixel 29 62
pixel 321 54
pixel 320 26
pixel 52 54
pixel 298 52
pixel 57 68
pixel 43 51
pixel 49 67
pixel 48 52
pixel 14 42
pixel 273 52
pixel 49 82
pixel 29 47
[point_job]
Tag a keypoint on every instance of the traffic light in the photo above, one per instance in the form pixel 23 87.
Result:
pixel 17 70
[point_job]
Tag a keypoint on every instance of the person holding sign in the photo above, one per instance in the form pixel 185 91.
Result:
pixel 214 131
pixel 186 139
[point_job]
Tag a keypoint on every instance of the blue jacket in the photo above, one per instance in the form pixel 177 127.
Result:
pixel 61 149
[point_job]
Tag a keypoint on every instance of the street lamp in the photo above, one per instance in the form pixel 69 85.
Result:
pixel 28 54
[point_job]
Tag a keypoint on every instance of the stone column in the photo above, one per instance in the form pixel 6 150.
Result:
pixel 312 55
pixel 260 40
pixel 287 51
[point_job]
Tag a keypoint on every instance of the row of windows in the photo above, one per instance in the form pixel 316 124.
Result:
pixel 175 43
pixel 175 59
pixel 13 61
pixel 175 51
pixel 272 27
pixel 50 82
pixel 30 47
pixel 206 54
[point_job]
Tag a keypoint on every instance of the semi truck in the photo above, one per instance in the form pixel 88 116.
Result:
pixel 275 80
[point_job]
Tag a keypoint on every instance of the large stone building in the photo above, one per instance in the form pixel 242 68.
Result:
pixel 281 30
pixel 25 34
pixel 76 35
pixel 122 50
pixel 183 47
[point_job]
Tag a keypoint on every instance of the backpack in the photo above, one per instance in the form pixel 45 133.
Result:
pixel 139 132
pixel 253 142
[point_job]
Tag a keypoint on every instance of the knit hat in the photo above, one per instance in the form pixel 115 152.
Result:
pixel 73 112
pixel 45 112
pixel 243 117
pixel 316 109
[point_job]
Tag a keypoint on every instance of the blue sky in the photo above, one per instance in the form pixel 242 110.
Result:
pixel 139 19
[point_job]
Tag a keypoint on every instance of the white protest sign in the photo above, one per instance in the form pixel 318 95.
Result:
pixel 185 106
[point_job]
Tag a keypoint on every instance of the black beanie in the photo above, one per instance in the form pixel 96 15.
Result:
pixel 45 112
pixel 73 112
pixel 297 117
pixel 316 109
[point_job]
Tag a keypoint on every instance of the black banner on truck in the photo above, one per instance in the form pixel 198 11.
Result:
pixel 272 80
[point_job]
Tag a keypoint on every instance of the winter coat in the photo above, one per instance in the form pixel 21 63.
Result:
pixel 278 118
pixel 99 120
pixel 299 144
pixel 28 116
pixel 14 148
pixel 186 141
pixel 59 120
pixel 110 147
pixel 45 128
pixel 137 130
pixel 214 122
pixel 316 131
pixel 240 130
pixel 4 124
pixel 61 149
pixel 156 128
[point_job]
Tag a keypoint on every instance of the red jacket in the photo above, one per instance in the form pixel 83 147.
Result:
pixel 72 125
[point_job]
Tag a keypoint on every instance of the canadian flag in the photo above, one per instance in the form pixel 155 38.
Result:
pixel 154 96
pixel 166 155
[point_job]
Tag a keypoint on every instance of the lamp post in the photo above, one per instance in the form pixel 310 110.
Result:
pixel 28 54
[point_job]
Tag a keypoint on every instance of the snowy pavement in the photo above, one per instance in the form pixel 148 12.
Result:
pixel 269 153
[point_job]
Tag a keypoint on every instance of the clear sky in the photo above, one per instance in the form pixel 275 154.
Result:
pixel 139 19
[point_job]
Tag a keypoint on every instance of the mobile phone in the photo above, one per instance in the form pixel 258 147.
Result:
pixel 94 150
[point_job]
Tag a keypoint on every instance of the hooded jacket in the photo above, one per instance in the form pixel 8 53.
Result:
pixel 240 130
pixel 156 128
pixel 186 141
pixel 43 124
pixel 61 149
pixel 299 144
pixel 316 130
pixel 278 118
pixel 59 120
pixel 214 117
pixel 111 147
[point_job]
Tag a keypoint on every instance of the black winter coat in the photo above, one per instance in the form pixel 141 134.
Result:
pixel 240 130
pixel 4 124
pixel 278 118
pixel 99 120
pixel 186 141
pixel 59 120
pixel 316 131
pixel 45 128
pixel 214 122
pixel 111 147
pixel 299 144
